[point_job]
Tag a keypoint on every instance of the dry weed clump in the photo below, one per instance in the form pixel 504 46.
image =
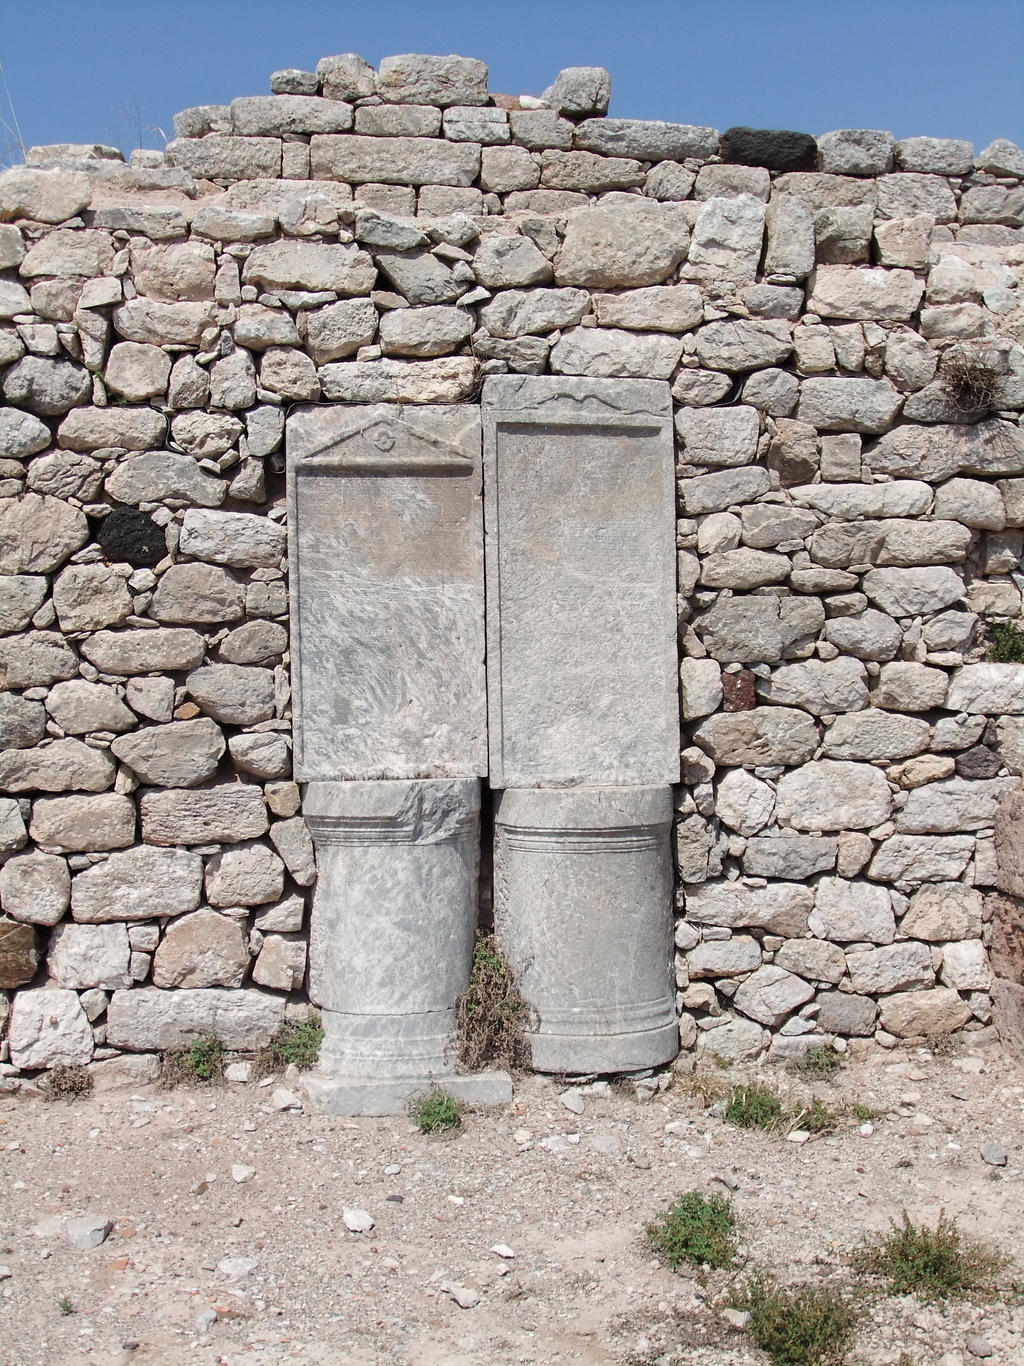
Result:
pixel 491 1017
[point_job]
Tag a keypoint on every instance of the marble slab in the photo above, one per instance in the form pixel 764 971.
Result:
pixel 387 591
pixel 581 584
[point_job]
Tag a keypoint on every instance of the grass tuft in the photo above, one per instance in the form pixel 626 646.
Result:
pixel 201 1064
pixel 799 1326
pixel 1006 644
pixel 491 1017
pixel 65 1306
pixel 67 1082
pixel 294 1045
pixel 695 1228
pixel 437 1112
pixel 754 1106
pixel 815 1118
pixel 818 1062
pixel 932 1263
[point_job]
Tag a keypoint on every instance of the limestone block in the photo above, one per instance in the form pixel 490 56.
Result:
pixel 46 385
pixel 743 802
pixel 21 434
pixel 727 179
pixel 743 568
pixel 281 963
pixel 90 596
pixel 409 120
pixel 346 76
pixel 285 916
pixel 76 824
pixel 255 642
pixel 81 252
pixel 817 686
pixel 341 267
pixel 44 196
pixel 953 805
pixel 852 912
pixel 264 756
pixel 792 857
pixel 201 949
pixel 572 567
pixel 275 115
pixel 38 533
pixel 289 373
pixel 430 331
pixel 147 1018
pixel 618 244
pixel 770 994
pixel 249 874
pixel 583 171
pixel 912 592
pixel 393 920
pixel 987 689
pixel 237 539
pixel 35 659
pixel 21 595
pixel 62 766
pixel 789 248
pixel 195 592
pixel 233 693
pixel 942 912
pixel 518 312
pixel 138 884
pixel 758 629
pixel 84 957
pixel 872 294
pixel 901 498
pixel 152 322
pixel 848 404
pixel 145 651
pixel 14 299
pixel 762 735
pixel 540 128
pixel 909 687
pixel 965 966
pixel 724 958
pixel 737 1040
pixel 831 794
pixel 742 344
pixel 856 151
pixel 22 722
pixel 646 139
pixel 35 887
pixel 19 955
pixel 13 835
pixel 227 814
pixel 777 908
pixel 606 353
pixel 921 858
pixel 875 735
pixel 220 157
pixel 719 436
pixel 605 938
pixel 292 840
pixel 700 687
pixel 401 702
pixel 727 240
pixel 936 1011
pixel 579 90
pixel 396 161
pixel 845 1014
pixel 137 371
pixel 160 475
pixel 813 959
pixel 898 967
pixel 182 754
pixel 442 81
pixel 206 434
pixel 714 492
pixel 48 1027
pixel 773 391
pixel 450 380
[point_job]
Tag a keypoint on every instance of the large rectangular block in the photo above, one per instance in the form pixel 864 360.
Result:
pixel 387 592
pixel 581 585
pixel 393 161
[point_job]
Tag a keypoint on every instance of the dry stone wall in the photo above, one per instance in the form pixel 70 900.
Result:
pixel 839 319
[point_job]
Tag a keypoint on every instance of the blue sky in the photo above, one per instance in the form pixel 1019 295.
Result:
pixel 117 70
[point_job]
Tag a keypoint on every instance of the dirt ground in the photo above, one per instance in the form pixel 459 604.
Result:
pixel 568 1194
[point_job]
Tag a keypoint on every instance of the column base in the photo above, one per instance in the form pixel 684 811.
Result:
pixel 359 1096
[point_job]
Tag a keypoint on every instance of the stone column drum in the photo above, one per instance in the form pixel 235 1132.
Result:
pixel 583 908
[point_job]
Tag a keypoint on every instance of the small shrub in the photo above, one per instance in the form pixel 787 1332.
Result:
pixel 754 1106
pixel 933 1264
pixel 695 1228
pixel 703 1086
pixel 201 1063
pixel 294 1045
pixel 65 1306
pixel 800 1326
pixel 491 1017
pixel 970 382
pixel 1005 644
pixel 815 1118
pixel 67 1082
pixel 818 1062
pixel 437 1112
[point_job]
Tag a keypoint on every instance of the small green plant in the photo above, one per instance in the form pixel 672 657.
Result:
pixel 294 1045
pixel 1005 644
pixel 819 1062
pixel 437 1112
pixel 67 1082
pixel 799 1326
pixel 491 1017
pixel 864 1112
pixel 696 1228
pixel 754 1106
pixel 65 1306
pixel 202 1062
pixel 932 1263
pixel 815 1118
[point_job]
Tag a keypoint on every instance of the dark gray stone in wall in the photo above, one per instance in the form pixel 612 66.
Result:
pixel 128 535
pixel 776 148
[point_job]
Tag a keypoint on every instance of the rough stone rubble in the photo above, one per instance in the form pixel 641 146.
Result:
pixel 849 530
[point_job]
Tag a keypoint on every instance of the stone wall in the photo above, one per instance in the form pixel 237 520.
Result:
pixel 839 322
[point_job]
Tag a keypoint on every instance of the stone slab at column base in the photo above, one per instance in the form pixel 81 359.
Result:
pixel 359 1096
